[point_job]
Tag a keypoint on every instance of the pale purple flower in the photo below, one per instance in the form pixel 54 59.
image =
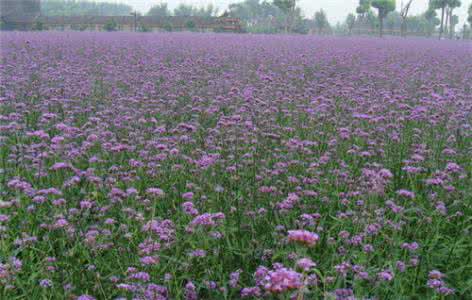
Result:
pixel 306 264
pixel 282 280
pixel 303 236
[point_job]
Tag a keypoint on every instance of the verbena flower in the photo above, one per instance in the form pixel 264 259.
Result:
pixel 303 237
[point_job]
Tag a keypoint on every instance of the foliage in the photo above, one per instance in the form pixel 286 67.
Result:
pixel 424 24
pixel 454 3
pixel 350 22
pixel 266 17
pixel 110 25
pixel 321 21
pixel 288 8
pixel 439 4
pixel 168 27
pixel 383 8
pixel 393 21
pixel 363 7
pixel 144 28
pixel 189 10
pixel 159 10
pixel 257 17
pixel 83 8
pixel 420 25
pixel 469 18
pixel 431 11
pixel 190 25
pixel 38 26
pixel 183 10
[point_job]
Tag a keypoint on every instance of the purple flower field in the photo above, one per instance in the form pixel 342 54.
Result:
pixel 219 166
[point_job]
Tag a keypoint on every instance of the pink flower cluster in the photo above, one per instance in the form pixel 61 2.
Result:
pixel 282 280
pixel 303 237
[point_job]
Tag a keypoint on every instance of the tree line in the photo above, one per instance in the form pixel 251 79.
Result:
pixel 83 8
pixel 277 16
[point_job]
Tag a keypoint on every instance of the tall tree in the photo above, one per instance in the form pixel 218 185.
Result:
pixel 372 20
pixel 321 21
pixel 350 22
pixel 288 8
pixel 470 15
pixel 383 7
pixel 393 22
pixel 404 14
pixel 363 7
pixel 362 10
pixel 453 20
pixel 442 5
pixel 431 18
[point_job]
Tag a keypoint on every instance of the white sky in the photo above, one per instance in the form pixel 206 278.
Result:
pixel 336 10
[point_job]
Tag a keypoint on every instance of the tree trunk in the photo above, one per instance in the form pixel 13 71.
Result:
pixel 446 23
pixel 381 26
pixel 403 28
pixel 442 23
pixel 290 21
pixel 451 30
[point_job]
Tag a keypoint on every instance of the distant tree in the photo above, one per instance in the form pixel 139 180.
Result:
pixel 258 17
pixel 190 25
pixel 350 22
pixel 453 20
pixel 183 10
pixel 168 27
pixel 321 21
pixel 372 20
pixel 393 22
pixel 38 26
pixel 159 10
pixel 208 11
pixel 265 17
pixel 431 18
pixel 111 25
pixel 465 32
pixel 383 7
pixel 363 7
pixel 365 15
pixel 442 5
pixel 288 8
pixel 470 15
pixel 144 28
pixel 300 24
pixel 418 25
pixel 404 14
pixel 83 8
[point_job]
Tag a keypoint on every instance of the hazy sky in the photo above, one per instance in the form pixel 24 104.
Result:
pixel 336 10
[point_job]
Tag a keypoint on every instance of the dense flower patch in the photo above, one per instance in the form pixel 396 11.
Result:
pixel 201 166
